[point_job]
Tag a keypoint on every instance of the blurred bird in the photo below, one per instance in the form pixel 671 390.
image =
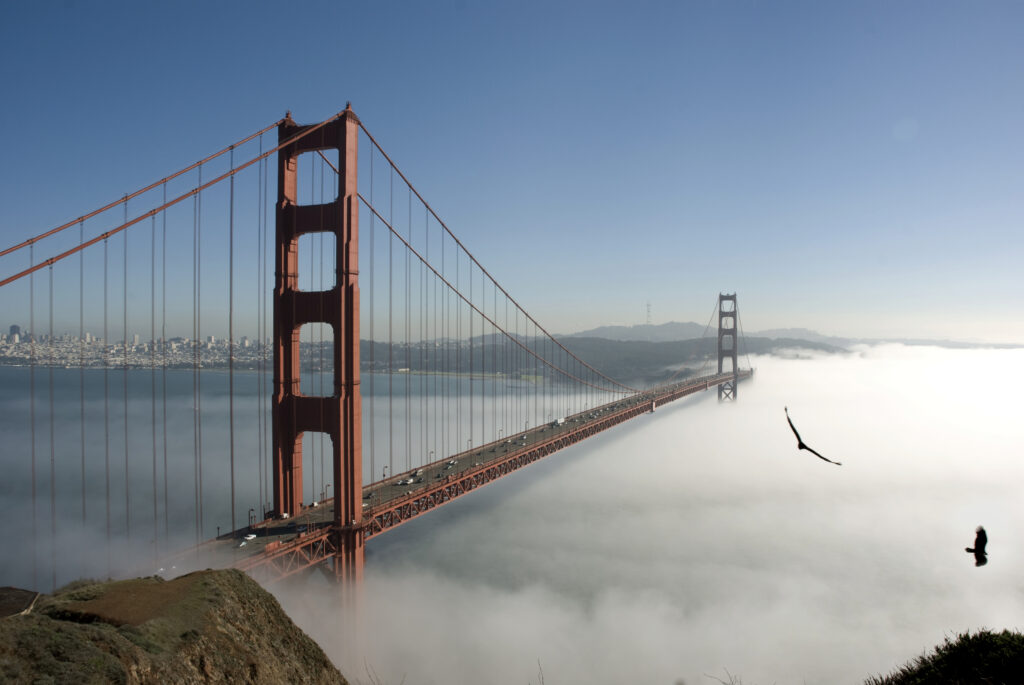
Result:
pixel 980 540
pixel 800 443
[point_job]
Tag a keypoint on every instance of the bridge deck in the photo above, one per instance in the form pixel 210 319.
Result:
pixel 279 547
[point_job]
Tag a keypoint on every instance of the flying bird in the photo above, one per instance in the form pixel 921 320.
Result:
pixel 980 540
pixel 800 443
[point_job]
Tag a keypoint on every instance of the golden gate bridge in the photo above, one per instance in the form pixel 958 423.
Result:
pixel 373 384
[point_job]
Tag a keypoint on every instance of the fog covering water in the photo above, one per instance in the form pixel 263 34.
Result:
pixel 154 488
pixel 699 539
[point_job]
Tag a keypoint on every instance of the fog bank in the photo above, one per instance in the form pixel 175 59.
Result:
pixel 699 539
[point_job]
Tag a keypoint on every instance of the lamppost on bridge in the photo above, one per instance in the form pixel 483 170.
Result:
pixel 430 456
pixel 252 516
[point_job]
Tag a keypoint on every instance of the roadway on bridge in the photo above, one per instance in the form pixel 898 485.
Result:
pixel 265 536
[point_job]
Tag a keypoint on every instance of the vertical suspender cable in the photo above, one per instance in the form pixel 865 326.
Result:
pixel 494 364
pixel 32 401
pixel 408 345
pixel 231 335
pixel 391 301
pixel 152 374
pixel 424 419
pixel 163 353
pixel 199 349
pixel 373 341
pixel 195 361
pixel 445 423
pixel 310 454
pixel 457 378
pixel 81 353
pixel 53 459
pixel 259 339
pixel 127 483
pixel 264 400
pixel 469 314
pixel 106 390
pixel 320 346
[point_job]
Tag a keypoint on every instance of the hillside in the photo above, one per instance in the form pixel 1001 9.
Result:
pixel 653 362
pixel 205 627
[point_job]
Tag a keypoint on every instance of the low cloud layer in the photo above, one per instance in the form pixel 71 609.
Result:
pixel 699 539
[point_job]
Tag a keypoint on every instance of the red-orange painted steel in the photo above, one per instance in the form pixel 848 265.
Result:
pixel 338 415
pixel 727 344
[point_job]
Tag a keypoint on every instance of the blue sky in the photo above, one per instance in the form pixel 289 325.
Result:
pixel 855 168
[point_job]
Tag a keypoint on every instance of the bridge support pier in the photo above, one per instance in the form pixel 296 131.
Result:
pixel 340 414
pixel 727 344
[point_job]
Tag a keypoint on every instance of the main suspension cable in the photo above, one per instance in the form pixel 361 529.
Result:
pixel 163 181
pixel 476 309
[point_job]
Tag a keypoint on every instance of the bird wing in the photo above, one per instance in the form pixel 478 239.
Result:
pixel 792 427
pixel 821 457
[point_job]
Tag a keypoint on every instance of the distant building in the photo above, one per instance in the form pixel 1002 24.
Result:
pixel 15 330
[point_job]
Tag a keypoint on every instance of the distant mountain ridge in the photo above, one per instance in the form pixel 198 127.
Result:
pixel 675 331
pixel 665 332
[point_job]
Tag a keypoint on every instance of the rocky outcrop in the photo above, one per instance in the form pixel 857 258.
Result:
pixel 205 627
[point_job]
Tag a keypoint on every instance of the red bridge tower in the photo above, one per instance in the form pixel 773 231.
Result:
pixel 727 344
pixel 338 415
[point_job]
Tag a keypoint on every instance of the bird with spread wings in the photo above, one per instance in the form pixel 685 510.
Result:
pixel 800 443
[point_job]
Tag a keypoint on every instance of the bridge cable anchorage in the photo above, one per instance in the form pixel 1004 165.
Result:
pixel 151 186
pixel 454 289
pixel 474 260
pixel 166 205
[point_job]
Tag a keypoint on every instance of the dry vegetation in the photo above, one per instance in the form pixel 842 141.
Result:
pixel 206 627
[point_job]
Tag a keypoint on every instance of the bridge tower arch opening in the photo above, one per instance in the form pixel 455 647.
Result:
pixel 727 345
pixel 337 412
